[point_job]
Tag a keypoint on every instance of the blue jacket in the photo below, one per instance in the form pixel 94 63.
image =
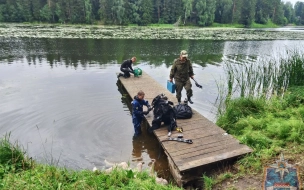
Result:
pixel 137 107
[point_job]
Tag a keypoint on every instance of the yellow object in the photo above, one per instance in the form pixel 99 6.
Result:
pixel 179 129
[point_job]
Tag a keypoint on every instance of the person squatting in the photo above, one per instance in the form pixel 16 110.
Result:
pixel 126 68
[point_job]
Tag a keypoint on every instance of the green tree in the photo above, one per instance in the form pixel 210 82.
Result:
pixel 2 11
pixel 262 11
pixel 145 9
pixel 223 12
pixel 187 8
pixel 13 11
pixel 118 11
pixel 247 12
pixel 236 11
pixel 299 12
pixel 105 11
pixel 36 7
pixel 88 14
pixel 25 6
pixel 204 12
pixel 277 12
pixel 95 8
pixel 289 12
pixel 46 14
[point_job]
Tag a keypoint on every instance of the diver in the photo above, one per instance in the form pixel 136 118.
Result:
pixel 137 111
pixel 126 68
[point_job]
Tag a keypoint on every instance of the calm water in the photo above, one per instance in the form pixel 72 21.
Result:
pixel 60 98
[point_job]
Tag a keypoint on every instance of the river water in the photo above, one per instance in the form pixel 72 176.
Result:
pixel 61 101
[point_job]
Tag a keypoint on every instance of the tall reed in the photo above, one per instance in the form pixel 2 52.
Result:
pixel 265 78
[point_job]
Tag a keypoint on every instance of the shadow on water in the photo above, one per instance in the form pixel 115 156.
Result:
pixel 146 144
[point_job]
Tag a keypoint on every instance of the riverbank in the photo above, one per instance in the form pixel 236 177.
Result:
pixel 136 32
pixel 263 108
pixel 18 171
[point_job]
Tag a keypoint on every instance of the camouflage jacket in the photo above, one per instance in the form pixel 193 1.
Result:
pixel 181 71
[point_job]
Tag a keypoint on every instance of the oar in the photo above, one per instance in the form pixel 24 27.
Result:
pixel 198 85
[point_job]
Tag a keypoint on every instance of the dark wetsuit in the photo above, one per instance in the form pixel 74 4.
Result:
pixel 126 68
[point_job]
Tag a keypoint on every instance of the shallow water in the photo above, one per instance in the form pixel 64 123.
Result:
pixel 60 98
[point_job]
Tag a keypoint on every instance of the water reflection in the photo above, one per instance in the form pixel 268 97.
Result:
pixel 146 146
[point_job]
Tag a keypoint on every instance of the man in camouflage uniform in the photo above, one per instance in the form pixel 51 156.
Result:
pixel 182 71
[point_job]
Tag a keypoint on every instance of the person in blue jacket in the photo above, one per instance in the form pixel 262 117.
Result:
pixel 137 111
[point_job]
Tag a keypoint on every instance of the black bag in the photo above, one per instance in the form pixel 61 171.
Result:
pixel 163 112
pixel 183 111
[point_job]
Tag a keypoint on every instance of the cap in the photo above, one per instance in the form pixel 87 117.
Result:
pixel 184 53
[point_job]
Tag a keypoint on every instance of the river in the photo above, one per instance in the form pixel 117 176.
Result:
pixel 60 98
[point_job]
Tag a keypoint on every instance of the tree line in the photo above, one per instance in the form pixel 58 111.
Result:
pixel 144 12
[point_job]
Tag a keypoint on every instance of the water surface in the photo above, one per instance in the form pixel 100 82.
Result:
pixel 60 98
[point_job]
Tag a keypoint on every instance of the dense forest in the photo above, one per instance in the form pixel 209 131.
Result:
pixel 144 12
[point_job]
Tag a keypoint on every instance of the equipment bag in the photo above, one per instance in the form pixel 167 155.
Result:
pixel 183 111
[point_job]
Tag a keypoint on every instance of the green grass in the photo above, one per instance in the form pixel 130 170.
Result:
pixel 227 25
pixel 47 177
pixel 219 25
pixel 12 157
pixel 208 182
pixel 161 25
pixel 267 126
pixel 269 24
pixel 20 172
pixel 263 107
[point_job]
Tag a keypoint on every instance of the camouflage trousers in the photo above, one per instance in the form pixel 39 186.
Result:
pixel 179 87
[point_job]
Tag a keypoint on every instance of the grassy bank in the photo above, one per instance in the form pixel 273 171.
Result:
pixel 263 108
pixel 17 171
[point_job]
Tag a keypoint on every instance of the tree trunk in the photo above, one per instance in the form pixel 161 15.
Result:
pixel 233 11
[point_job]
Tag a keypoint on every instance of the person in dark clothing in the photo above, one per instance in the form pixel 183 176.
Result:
pixel 137 111
pixel 182 71
pixel 126 68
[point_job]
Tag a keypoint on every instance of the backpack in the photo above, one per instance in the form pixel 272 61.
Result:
pixel 163 112
pixel 183 111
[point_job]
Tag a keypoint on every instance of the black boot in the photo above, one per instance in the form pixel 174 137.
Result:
pixel 189 100
pixel 119 75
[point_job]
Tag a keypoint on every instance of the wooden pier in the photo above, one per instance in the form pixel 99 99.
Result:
pixel 211 144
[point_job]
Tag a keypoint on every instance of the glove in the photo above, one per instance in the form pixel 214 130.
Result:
pixel 145 112
pixel 149 109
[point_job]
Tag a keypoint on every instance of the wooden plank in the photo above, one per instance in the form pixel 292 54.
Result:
pixel 220 155
pixel 210 142
pixel 208 148
pixel 191 130
pixel 197 144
